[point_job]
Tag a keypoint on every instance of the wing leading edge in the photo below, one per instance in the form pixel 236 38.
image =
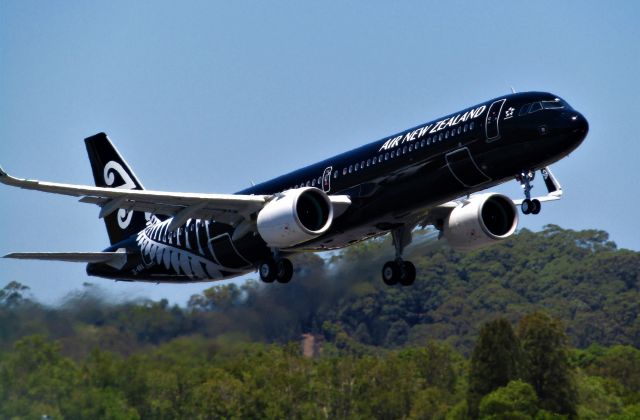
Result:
pixel 228 208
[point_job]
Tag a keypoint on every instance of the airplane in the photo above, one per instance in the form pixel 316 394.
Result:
pixel 422 176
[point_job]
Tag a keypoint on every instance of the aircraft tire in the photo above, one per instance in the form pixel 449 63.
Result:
pixel 284 270
pixel 391 273
pixel 267 270
pixel 535 206
pixel 408 275
pixel 526 206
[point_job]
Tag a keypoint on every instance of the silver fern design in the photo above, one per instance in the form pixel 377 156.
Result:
pixel 186 251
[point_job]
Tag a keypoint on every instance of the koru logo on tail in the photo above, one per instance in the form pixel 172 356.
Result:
pixel 110 169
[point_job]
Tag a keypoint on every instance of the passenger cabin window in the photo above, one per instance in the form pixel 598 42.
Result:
pixel 411 147
pixel 404 150
pixel 313 183
pixel 356 167
pixel 344 171
pixel 350 168
pixel 471 125
pixel 368 162
pixel 335 174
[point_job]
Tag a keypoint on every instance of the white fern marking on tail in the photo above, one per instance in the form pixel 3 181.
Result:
pixel 124 216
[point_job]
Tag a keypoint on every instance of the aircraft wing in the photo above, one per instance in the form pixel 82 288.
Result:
pixel 225 208
pixel 221 207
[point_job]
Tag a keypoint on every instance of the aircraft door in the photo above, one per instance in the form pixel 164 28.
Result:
pixel 326 179
pixel 493 117
pixel 226 253
pixel 464 168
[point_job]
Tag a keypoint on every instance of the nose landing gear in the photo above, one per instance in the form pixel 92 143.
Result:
pixel 554 190
pixel 398 270
pixel 528 206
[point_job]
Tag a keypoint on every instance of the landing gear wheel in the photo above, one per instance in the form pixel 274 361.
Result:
pixel 391 273
pixel 535 206
pixel 267 271
pixel 526 206
pixel 284 270
pixel 408 275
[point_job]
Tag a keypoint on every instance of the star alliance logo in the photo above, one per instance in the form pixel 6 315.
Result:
pixel 509 113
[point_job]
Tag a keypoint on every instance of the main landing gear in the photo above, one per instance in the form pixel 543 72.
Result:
pixel 528 206
pixel 279 269
pixel 398 270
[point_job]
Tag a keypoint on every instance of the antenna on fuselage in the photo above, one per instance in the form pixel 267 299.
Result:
pixel 253 184
pixel 513 90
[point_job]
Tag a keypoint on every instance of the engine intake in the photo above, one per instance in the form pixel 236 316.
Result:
pixel 482 220
pixel 294 217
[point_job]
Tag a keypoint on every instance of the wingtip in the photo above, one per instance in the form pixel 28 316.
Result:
pixel 2 172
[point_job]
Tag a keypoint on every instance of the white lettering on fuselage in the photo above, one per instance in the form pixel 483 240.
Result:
pixel 432 128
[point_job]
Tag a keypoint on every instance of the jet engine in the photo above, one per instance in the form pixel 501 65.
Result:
pixel 295 216
pixel 479 221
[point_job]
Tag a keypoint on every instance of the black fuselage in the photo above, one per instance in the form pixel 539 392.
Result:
pixel 395 177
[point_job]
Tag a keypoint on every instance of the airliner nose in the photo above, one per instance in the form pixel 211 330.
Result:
pixel 580 124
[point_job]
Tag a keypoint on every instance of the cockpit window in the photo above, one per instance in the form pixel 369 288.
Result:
pixel 524 109
pixel 555 104
pixel 536 106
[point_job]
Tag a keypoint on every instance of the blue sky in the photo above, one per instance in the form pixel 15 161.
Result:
pixel 205 96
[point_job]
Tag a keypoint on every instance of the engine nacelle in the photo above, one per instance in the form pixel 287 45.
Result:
pixel 294 217
pixel 482 220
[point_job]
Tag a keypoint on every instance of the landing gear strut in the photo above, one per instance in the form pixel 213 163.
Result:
pixel 398 270
pixel 528 205
pixel 279 269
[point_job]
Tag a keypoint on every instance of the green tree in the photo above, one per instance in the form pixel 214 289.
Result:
pixel 12 294
pixel 35 379
pixel 546 362
pixel 517 400
pixel 494 361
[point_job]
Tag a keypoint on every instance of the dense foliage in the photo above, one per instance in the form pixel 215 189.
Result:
pixel 433 350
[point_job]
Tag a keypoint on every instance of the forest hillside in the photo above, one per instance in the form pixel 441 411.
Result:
pixel 337 342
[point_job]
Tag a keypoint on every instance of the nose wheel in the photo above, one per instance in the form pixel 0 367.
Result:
pixel 531 206
pixel 399 271
pixel 280 269
pixel 528 206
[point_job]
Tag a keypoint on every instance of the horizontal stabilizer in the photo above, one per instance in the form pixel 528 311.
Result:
pixel 115 259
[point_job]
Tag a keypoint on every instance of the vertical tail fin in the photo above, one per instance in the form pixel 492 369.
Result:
pixel 110 170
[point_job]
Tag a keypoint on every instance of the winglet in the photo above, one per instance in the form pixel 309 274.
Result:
pixel 2 172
